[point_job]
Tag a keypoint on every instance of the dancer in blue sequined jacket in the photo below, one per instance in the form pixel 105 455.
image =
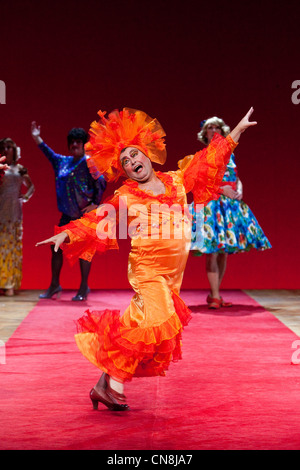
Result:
pixel 77 192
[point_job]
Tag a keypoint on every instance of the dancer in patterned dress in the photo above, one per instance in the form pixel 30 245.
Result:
pixel 14 178
pixel 229 225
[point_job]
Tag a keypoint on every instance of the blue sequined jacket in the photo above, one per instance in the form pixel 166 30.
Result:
pixel 75 187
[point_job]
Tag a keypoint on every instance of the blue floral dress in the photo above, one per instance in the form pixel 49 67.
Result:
pixel 226 225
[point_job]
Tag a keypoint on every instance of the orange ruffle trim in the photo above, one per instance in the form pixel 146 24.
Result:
pixel 125 352
pixel 203 173
pixel 84 242
pixel 170 197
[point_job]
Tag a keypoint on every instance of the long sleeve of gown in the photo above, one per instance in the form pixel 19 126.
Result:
pixel 203 172
pixel 95 232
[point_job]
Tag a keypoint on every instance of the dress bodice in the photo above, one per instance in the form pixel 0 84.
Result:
pixel 10 195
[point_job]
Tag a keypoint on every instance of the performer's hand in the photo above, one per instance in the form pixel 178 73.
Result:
pixel 36 132
pixel 245 122
pixel 89 208
pixel 3 166
pixel 228 191
pixel 243 125
pixel 57 240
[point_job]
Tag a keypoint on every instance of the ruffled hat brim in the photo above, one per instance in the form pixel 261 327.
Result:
pixel 126 128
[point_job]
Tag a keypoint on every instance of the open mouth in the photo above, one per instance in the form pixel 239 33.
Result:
pixel 138 168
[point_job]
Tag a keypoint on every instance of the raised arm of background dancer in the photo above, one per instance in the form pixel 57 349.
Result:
pixel 242 126
pixel 53 157
pixel 36 133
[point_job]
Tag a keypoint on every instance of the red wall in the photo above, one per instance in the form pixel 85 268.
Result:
pixel 62 61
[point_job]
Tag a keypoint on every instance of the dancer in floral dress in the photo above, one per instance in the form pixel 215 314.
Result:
pixel 229 226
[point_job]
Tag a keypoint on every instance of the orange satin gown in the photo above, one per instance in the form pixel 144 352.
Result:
pixel 147 337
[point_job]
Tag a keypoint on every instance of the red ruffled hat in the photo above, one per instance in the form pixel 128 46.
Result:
pixel 126 128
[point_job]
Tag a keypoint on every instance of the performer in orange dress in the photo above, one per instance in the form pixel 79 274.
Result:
pixel 146 338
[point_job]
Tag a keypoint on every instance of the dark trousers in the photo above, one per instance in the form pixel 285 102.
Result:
pixel 57 262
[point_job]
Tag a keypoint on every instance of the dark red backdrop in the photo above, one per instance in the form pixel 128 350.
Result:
pixel 62 61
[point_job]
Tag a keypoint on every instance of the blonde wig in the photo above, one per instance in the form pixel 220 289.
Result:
pixel 202 135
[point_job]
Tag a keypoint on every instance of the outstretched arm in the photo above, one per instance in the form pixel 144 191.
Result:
pixel 57 240
pixel 36 133
pixel 47 151
pixel 94 232
pixel 242 126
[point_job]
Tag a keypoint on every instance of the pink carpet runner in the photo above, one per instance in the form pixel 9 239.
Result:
pixel 235 388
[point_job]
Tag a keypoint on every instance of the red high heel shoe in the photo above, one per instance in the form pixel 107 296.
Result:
pixel 225 304
pixel 214 303
pixel 106 400
pixel 217 303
